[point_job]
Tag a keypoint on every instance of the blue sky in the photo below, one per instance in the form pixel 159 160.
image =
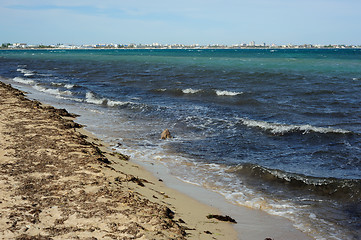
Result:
pixel 186 21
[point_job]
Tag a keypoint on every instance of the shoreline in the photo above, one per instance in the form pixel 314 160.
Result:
pixel 252 224
pixel 60 182
pixel 207 48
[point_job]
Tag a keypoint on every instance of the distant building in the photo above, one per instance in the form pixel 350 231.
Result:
pixel 18 45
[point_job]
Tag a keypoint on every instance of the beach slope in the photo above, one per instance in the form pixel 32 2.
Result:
pixel 59 182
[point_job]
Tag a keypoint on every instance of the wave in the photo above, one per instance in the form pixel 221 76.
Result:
pixel 52 91
pixel 91 98
pixel 190 91
pixel 71 99
pixel 23 81
pixel 26 72
pixel 227 93
pixel 180 92
pixel 68 86
pixel 349 189
pixel 281 129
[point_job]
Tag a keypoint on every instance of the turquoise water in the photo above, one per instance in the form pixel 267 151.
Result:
pixel 277 130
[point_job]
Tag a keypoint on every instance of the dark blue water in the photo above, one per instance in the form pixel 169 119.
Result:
pixel 277 130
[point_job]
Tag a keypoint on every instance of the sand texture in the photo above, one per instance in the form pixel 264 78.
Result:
pixel 59 182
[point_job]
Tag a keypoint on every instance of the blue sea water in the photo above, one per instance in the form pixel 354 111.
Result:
pixel 277 130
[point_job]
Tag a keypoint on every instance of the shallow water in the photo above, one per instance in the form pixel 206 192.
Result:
pixel 272 130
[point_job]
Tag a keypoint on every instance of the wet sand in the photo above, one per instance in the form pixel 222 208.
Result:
pixel 57 181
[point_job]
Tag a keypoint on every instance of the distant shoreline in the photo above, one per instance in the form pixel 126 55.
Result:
pixel 185 48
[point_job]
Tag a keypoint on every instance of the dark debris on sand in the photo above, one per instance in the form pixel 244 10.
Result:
pixel 53 167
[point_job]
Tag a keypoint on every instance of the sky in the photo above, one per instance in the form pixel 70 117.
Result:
pixel 184 22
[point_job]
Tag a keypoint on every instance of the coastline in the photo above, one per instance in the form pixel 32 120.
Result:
pixel 60 182
pixel 189 48
pixel 190 203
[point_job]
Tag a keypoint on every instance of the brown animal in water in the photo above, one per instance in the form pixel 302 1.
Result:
pixel 165 134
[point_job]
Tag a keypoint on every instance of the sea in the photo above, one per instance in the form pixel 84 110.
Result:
pixel 272 129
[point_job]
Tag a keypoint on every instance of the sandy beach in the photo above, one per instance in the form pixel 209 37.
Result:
pixel 59 182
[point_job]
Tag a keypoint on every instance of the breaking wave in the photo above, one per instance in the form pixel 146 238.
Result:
pixel 91 98
pixel 26 72
pixel 52 91
pixel 68 86
pixel 190 91
pixel 209 92
pixel 349 189
pixel 227 93
pixel 23 81
pixel 281 129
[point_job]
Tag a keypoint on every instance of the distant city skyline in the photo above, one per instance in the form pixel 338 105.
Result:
pixel 6 46
pixel 280 22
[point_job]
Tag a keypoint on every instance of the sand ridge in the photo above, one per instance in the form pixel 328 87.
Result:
pixel 59 182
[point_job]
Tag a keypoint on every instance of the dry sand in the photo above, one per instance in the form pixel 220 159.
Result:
pixel 59 182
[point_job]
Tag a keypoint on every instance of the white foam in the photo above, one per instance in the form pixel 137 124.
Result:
pixel 227 93
pixel 56 84
pixel 69 86
pixel 90 98
pixel 277 128
pixel 26 72
pixel 71 99
pixel 111 103
pixel 52 91
pixel 22 80
pixel 190 91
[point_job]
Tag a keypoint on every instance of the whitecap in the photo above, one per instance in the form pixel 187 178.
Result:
pixel 23 81
pixel 52 91
pixel 69 86
pixel 111 103
pixel 227 93
pixel 91 98
pixel 277 128
pixel 57 84
pixel 190 91
pixel 26 72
